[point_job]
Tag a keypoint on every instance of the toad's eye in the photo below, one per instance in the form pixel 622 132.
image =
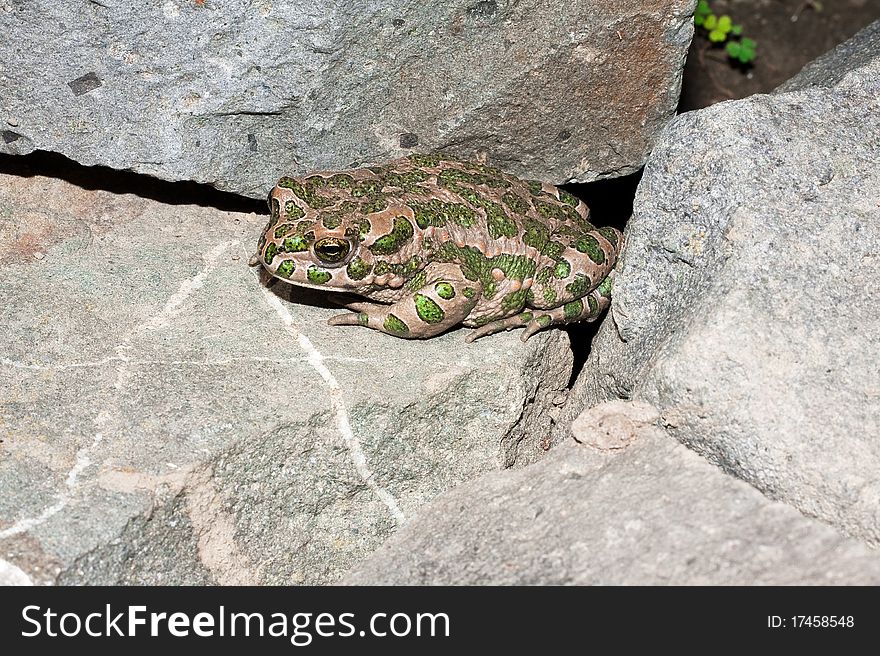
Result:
pixel 331 250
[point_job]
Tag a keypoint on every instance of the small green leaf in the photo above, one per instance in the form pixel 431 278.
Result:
pixel 736 30
pixel 717 36
pixel 742 51
pixel 698 19
pixel 702 9
pixel 724 24
pixel 710 22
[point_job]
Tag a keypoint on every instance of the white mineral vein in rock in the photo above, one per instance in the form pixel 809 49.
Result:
pixel 12 575
pixel 83 460
pixel 316 360
pixel 63 497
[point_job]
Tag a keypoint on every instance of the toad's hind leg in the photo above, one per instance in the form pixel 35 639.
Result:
pixel 587 308
pixel 443 301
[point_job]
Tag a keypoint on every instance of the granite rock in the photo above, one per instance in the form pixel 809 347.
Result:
pixel 745 308
pixel 237 93
pixel 652 513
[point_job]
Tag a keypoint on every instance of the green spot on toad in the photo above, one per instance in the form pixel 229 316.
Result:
pixel 393 241
pixel 357 269
pixel 444 290
pixel 590 245
pixel 395 326
pixel 428 310
pixel 286 268
pixel 271 252
pixel 573 310
pixel 318 276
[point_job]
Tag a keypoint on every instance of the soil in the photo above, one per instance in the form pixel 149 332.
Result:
pixel 789 34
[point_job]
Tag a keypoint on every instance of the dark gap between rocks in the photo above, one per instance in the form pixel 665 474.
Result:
pixel 611 204
pixel 104 178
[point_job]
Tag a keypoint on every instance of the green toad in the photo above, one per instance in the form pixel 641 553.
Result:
pixel 438 242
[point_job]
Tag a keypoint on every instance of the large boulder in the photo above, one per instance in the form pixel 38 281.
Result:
pixel 746 306
pixel 629 506
pixel 167 419
pixel 237 93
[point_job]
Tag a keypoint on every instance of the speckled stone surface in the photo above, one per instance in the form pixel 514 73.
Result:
pixel 647 511
pixel 238 93
pixel 745 307
pixel 166 419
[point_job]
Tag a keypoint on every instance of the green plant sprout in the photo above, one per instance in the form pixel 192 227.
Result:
pixel 743 50
pixel 722 29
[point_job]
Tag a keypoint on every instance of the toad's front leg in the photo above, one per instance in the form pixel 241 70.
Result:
pixel 446 298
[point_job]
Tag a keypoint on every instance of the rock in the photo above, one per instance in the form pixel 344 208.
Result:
pixel 654 513
pixel 12 575
pixel 613 425
pixel 237 94
pixel 167 419
pixel 745 308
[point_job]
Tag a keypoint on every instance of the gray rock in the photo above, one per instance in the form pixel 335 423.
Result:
pixel 653 513
pixel 166 419
pixel 746 305
pixel 237 93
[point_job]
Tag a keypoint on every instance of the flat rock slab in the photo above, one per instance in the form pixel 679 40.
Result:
pixel 746 305
pixel 235 94
pixel 167 419
pixel 651 513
